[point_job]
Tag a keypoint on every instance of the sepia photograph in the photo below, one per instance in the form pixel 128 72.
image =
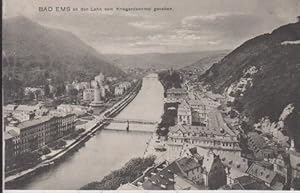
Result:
pixel 165 95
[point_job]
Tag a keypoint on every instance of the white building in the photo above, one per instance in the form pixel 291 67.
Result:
pixel 184 114
pixel 119 91
pixel 88 94
pixel 215 135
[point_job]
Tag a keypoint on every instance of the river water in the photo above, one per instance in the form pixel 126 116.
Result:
pixel 109 149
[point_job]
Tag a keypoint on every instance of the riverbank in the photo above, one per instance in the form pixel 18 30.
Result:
pixel 133 169
pixel 94 126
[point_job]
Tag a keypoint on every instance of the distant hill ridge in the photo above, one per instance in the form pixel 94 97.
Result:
pixel 35 49
pixel 160 60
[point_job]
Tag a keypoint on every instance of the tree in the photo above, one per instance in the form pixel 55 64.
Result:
pixel 73 92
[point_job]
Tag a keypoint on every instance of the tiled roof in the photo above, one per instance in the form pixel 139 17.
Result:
pixel 261 173
pixel 34 122
pixel 257 139
pixel 26 108
pixel 195 102
pixel 184 105
pixel 160 181
pixel 249 183
pixel 216 126
pixel 187 164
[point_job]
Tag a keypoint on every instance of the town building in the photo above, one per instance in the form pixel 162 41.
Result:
pixel 215 135
pixel 215 97
pixel 184 114
pixel 269 177
pixel 88 94
pixel 245 182
pixel 119 91
pixel 192 112
pixel 97 102
pixel 76 109
pixel 81 85
pixel 258 145
pixel 174 176
pixel 176 95
pixel 280 165
pixel 36 133
pixel 12 140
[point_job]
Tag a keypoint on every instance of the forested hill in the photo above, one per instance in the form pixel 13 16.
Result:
pixel 271 63
pixel 32 53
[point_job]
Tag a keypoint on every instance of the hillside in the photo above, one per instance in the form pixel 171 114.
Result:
pixel 206 62
pixel 158 60
pixel 271 65
pixel 32 53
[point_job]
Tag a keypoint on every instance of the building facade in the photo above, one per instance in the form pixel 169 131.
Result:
pixel 174 95
pixel 36 133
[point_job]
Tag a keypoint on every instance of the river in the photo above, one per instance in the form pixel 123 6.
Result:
pixel 107 150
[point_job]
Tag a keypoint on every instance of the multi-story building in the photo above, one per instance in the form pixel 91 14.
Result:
pixel 269 177
pixel 215 135
pixel 192 112
pixel 174 176
pixel 258 145
pixel 174 95
pixel 88 94
pixel 76 109
pixel 119 91
pixel 12 140
pixel 184 114
pixel 36 133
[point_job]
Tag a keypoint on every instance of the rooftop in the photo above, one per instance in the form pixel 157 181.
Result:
pixel 187 164
pixel 257 139
pixel 216 126
pixel 195 102
pixel 248 183
pixel 27 108
pixel 261 173
pixel 177 90
pixel 33 122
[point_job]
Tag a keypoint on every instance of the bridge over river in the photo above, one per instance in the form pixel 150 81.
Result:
pixel 130 121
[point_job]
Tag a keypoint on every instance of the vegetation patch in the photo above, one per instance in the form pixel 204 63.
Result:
pixel 131 171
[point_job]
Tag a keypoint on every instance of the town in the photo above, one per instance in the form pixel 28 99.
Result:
pixel 205 147
pixel 46 123
pixel 123 96
pixel 200 141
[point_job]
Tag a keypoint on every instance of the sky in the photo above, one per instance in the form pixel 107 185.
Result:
pixel 191 25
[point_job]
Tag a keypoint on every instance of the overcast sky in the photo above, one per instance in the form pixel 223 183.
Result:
pixel 192 25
